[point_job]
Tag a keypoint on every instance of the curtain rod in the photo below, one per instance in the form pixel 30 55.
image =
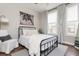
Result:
pixel 58 6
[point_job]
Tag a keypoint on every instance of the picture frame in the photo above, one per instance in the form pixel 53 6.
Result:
pixel 26 19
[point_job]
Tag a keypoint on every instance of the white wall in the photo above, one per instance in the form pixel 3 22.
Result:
pixel 11 11
pixel 43 21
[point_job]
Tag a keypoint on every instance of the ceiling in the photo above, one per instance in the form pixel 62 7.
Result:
pixel 39 7
pixel 42 6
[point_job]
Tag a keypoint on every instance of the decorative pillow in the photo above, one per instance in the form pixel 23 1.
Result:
pixel 5 38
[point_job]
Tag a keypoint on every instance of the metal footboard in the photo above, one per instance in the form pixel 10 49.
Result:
pixel 48 46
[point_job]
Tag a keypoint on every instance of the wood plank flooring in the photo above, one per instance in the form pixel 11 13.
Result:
pixel 71 51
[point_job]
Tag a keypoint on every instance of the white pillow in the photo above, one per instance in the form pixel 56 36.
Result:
pixel 34 32
pixel 29 32
pixel 3 33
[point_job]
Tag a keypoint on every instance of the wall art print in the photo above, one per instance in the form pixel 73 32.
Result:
pixel 26 19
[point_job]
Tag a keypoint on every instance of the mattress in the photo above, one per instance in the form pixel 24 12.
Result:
pixel 33 42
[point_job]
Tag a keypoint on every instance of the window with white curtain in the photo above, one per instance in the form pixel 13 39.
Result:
pixel 71 19
pixel 52 22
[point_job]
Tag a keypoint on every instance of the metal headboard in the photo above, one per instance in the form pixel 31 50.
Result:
pixel 20 29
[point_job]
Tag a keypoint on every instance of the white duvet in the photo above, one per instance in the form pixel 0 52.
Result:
pixel 33 42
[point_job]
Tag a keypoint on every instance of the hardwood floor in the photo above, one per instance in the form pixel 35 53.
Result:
pixel 13 51
pixel 71 51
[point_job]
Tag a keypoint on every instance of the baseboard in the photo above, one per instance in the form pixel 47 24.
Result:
pixel 76 47
pixel 66 44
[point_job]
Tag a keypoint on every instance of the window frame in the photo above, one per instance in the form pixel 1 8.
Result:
pixel 54 10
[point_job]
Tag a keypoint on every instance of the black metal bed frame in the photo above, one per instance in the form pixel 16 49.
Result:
pixel 49 49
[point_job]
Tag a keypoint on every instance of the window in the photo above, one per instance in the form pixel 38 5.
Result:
pixel 71 20
pixel 52 22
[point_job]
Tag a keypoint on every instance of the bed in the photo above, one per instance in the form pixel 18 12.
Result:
pixel 37 44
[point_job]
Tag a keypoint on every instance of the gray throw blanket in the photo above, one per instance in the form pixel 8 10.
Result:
pixel 5 38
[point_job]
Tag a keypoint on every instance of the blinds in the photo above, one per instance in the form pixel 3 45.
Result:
pixel 72 12
pixel 52 22
pixel 52 17
pixel 71 19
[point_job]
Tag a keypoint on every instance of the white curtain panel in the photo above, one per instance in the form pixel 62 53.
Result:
pixel 61 22
pixel 77 34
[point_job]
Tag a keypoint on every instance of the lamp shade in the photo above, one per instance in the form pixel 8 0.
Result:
pixel 3 19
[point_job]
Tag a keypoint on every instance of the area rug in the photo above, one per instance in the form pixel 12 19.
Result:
pixel 59 51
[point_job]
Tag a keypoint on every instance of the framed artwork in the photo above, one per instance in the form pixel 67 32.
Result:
pixel 26 19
